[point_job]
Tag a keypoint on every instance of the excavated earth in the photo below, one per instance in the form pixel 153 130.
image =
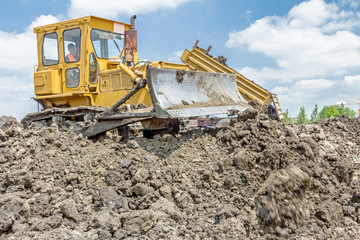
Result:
pixel 254 179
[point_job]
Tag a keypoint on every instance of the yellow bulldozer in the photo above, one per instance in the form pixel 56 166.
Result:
pixel 88 63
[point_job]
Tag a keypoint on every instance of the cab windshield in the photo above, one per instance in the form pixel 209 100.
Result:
pixel 107 44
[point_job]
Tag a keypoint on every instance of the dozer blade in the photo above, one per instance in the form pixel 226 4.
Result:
pixel 187 94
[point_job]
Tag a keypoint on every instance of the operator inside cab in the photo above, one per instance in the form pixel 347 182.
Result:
pixel 73 55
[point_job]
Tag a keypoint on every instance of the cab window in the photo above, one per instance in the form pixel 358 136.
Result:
pixel 72 39
pixel 72 77
pixel 92 68
pixel 50 52
pixel 107 44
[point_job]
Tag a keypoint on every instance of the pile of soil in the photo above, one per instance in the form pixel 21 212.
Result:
pixel 255 179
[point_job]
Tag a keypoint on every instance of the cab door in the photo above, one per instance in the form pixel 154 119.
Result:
pixel 47 77
pixel 72 62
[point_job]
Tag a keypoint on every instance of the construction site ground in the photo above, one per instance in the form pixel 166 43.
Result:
pixel 254 179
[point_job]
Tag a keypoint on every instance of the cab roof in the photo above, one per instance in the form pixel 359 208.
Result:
pixel 75 22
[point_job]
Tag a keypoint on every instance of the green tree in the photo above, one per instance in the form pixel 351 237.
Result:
pixel 287 119
pixel 314 115
pixel 334 111
pixel 347 111
pixel 328 112
pixel 302 118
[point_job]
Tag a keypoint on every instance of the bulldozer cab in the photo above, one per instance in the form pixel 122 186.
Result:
pixel 73 59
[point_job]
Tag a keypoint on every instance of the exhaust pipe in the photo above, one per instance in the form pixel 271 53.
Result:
pixel 132 21
pixel 130 44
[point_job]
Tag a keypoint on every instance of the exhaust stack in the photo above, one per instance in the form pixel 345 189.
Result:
pixel 130 44
pixel 132 21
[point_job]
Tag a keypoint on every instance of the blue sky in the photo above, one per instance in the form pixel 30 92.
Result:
pixel 307 52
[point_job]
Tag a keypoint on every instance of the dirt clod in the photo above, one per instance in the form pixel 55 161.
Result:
pixel 279 201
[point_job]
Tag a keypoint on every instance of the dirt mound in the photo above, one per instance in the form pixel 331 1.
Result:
pixel 256 179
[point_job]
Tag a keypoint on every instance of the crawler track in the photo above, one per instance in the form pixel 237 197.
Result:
pixel 75 113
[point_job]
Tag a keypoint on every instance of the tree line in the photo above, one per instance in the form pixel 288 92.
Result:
pixel 326 112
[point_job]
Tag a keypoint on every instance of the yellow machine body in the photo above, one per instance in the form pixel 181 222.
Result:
pixel 92 61
pixel 100 80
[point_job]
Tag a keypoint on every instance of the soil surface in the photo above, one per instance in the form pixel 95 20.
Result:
pixel 254 179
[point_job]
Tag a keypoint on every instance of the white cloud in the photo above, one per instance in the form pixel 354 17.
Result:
pixel 41 21
pixel 18 57
pixel 317 91
pixel 312 41
pixel 312 13
pixel 303 90
pixel 304 93
pixel 23 2
pixel 18 50
pixel 351 3
pixel 16 92
pixel 266 75
pixel 247 15
pixel 280 90
pixel 114 8
pixel 314 85
pixel 175 56
pixel 352 82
